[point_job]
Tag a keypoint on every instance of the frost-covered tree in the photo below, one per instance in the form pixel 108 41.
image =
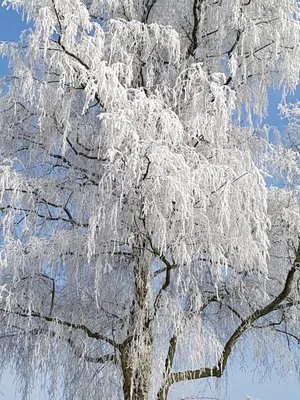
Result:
pixel 140 244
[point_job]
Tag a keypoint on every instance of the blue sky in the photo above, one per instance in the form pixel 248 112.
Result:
pixel 238 383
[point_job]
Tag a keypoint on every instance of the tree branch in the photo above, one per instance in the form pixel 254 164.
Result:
pixel 163 392
pixel 83 328
pixel 98 360
pixel 71 54
pixel 167 270
pixel 44 276
pixel 194 36
pixel 247 323
pixel 148 8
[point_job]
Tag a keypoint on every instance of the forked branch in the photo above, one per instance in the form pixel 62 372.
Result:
pixel 217 370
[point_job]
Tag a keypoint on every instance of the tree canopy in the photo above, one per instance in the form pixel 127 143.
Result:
pixel 141 244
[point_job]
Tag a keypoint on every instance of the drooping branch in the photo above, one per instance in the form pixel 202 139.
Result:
pixel 80 153
pixel 288 334
pixel 72 55
pixel 48 318
pixel 246 324
pixel 98 360
pixel 41 200
pixel 74 167
pixel 247 55
pixel 52 280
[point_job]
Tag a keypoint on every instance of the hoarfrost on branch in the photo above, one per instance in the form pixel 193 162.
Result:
pixel 140 242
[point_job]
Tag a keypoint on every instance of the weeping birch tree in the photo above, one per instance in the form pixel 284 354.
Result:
pixel 140 244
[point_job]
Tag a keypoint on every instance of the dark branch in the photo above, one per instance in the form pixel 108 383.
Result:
pixel 81 327
pixel 246 324
pixel 163 392
pixel 194 36
pixel 98 360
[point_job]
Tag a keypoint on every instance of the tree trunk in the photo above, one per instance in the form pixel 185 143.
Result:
pixel 136 384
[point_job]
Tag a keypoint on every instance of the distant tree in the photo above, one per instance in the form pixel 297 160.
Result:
pixel 140 243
